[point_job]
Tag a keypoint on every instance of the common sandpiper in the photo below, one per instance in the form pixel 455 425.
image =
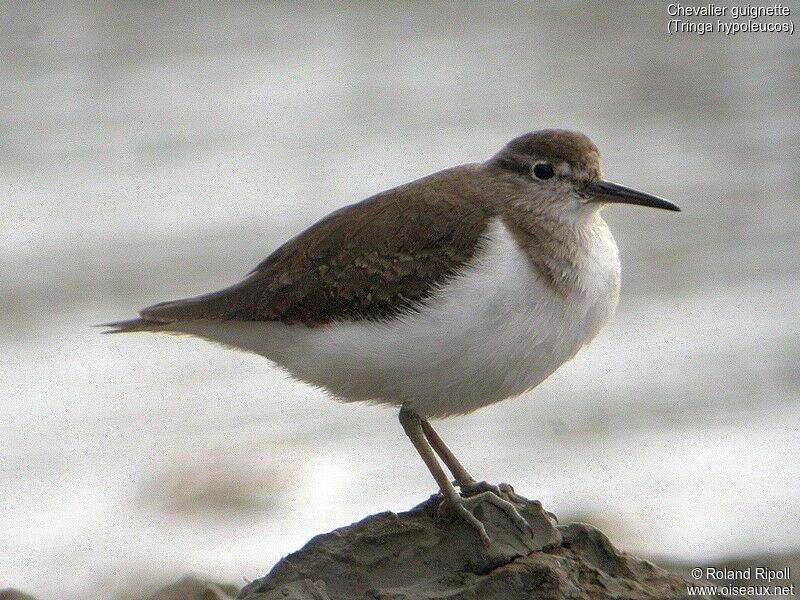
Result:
pixel 439 297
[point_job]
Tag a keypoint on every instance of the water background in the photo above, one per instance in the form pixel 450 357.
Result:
pixel 149 153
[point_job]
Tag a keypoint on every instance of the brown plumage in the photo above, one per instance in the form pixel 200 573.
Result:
pixel 556 145
pixel 384 255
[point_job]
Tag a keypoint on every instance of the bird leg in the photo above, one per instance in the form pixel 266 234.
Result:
pixel 416 430
pixel 468 484
pixel 501 495
pixel 461 475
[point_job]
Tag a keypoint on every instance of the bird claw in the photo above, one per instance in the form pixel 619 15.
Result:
pixel 484 492
pixel 463 508
pixel 504 491
pixel 501 490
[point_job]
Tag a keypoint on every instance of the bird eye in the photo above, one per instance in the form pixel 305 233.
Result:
pixel 543 171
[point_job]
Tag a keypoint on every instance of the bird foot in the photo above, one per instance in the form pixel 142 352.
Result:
pixel 501 490
pixel 465 505
pixel 504 491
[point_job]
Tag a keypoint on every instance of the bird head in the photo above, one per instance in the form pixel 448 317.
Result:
pixel 560 170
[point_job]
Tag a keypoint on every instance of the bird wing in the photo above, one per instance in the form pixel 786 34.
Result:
pixel 370 260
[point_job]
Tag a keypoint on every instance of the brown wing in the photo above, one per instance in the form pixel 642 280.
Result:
pixel 370 260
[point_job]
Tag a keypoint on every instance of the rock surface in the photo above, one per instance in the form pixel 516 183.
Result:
pixel 191 588
pixel 419 555
pixel 14 594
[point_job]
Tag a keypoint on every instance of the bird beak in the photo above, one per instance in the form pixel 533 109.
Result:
pixel 608 191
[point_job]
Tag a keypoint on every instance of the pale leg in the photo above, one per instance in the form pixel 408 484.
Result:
pixel 499 495
pixel 461 475
pixel 413 426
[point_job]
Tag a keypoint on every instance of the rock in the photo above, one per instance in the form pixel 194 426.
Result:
pixel 191 588
pixel 419 555
pixel 14 594
pixel 788 564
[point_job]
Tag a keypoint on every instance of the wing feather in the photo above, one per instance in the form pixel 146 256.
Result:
pixel 370 260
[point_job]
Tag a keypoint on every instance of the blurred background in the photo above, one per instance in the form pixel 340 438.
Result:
pixel 151 152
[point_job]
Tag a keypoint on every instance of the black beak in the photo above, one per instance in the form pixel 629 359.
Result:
pixel 608 191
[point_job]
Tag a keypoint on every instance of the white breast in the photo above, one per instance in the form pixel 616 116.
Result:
pixel 493 332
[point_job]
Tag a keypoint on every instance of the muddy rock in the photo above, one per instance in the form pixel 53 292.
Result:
pixel 422 554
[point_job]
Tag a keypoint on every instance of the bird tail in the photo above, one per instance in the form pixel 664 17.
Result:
pixel 133 326
pixel 164 317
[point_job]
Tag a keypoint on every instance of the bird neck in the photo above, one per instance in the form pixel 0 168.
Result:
pixel 558 245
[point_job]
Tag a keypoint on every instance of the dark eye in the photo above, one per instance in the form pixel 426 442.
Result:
pixel 543 171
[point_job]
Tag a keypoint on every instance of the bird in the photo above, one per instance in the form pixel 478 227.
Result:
pixel 438 297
